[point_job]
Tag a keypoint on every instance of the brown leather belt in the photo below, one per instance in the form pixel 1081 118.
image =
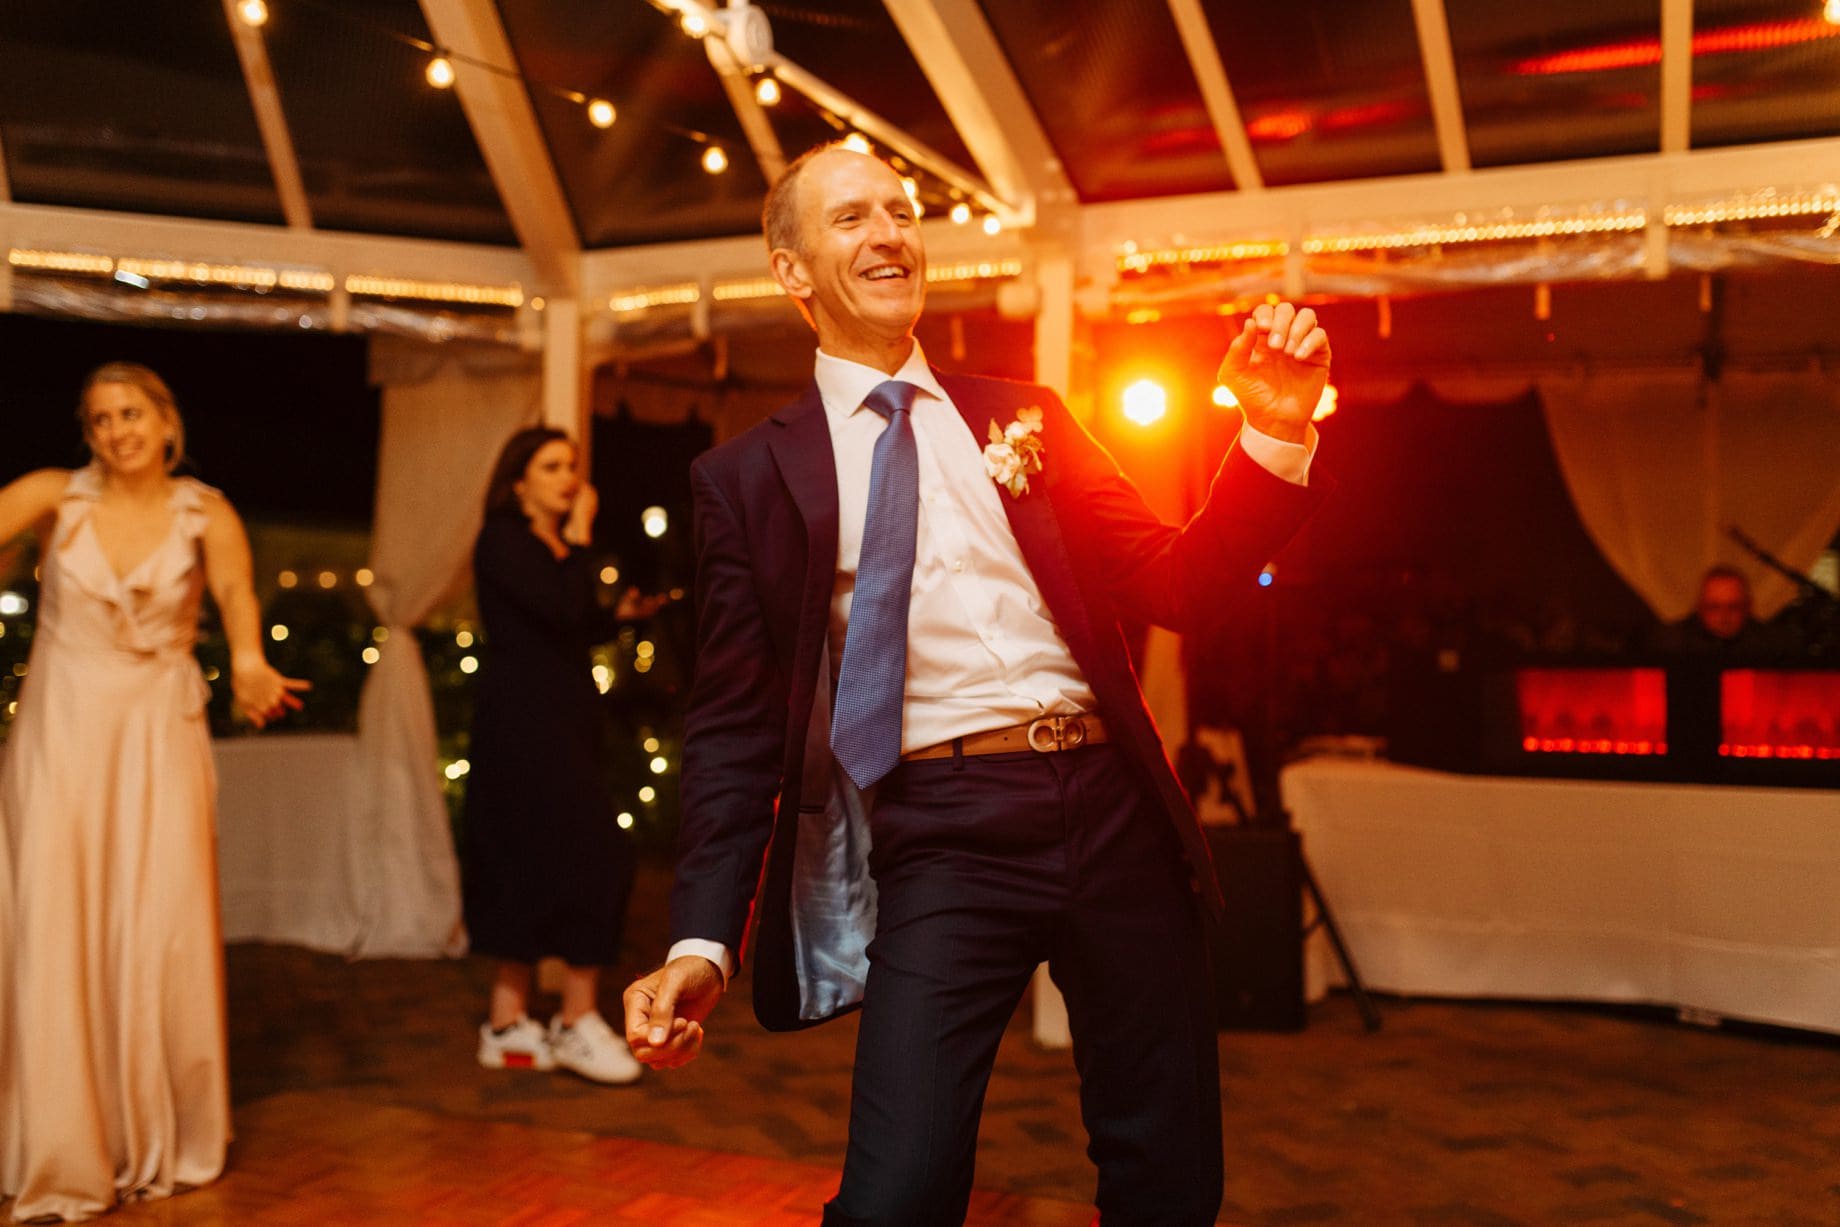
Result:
pixel 1045 736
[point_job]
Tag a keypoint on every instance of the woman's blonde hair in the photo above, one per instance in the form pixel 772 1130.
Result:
pixel 153 388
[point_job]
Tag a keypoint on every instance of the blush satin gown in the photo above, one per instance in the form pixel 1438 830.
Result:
pixel 113 1069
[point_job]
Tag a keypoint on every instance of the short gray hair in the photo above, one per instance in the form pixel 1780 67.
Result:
pixel 779 217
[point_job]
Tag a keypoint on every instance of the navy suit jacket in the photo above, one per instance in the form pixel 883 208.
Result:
pixel 773 837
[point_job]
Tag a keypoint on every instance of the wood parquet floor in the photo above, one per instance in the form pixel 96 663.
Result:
pixel 313 1158
pixel 357 1101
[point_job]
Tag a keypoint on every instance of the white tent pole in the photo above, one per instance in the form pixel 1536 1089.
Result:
pixel 1217 92
pixel 259 78
pixel 505 125
pixel 1441 80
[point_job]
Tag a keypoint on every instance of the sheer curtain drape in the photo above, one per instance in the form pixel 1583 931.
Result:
pixel 445 415
pixel 1661 463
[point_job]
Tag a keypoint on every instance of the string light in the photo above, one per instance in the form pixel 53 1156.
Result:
pixel 440 72
pixel 858 142
pixel 253 13
pixel 961 213
pixel 1830 12
pixel 715 161
pixel 694 25
pixel 601 113
pixel 1145 402
pixel 767 93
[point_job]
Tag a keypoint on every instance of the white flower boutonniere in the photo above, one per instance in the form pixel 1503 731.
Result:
pixel 1015 452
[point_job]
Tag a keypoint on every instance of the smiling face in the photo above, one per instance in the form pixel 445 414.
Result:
pixel 860 267
pixel 550 482
pixel 127 431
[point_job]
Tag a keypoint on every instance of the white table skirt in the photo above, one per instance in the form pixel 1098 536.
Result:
pixel 1716 899
pixel 285 835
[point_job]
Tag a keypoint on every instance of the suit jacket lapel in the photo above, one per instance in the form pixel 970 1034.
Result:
pixel 1032 518
pixel 802 451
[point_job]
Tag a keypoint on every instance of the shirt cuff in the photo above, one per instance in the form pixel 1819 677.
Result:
pixel 1287 461
pixel 715 952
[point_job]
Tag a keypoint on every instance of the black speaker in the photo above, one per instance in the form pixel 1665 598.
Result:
pixel 1258 949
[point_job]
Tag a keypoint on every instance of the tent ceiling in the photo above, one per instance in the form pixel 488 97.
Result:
pixel 1102 122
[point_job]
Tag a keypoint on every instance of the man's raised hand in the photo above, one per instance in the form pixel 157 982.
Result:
pixel 1277 368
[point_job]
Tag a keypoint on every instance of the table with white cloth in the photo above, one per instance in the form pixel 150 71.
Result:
pixel 285 839
pixel 1714 899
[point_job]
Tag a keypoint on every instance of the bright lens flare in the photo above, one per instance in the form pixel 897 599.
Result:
pixel 1145 402
pixel 1326 405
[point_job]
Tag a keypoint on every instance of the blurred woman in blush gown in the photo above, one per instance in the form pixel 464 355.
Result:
pixel 113 1068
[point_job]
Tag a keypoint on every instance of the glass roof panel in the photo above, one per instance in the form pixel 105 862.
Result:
pixel 1554 82
pixel 1112 87
pixel 1764 70
pixel 642 180
pixel 380 149
pixel 1327 89
pixel 135 107
pixel 858 49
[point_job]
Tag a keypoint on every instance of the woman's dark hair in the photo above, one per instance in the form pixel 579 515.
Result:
pixel 514 460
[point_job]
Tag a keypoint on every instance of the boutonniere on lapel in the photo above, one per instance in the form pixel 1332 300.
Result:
pixel 1015 451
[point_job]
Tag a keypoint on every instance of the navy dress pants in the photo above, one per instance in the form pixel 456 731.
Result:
pixel 985 867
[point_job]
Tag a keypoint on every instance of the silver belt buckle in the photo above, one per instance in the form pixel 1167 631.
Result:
pixel 1051 733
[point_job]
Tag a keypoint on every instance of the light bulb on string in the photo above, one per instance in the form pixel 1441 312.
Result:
pixel 440 72
pixel 961 213
pixel 715 161
pixel 601 113
pixel 694 25
pixel 253 13
pixel 1831 12
pixel 767 93
pixel 993 225
pixel 858 142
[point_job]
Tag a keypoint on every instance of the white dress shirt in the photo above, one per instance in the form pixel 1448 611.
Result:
pixel 982 649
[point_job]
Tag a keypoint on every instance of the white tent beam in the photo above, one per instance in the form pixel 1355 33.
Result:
pixel 265 99
pixel 1676 74
pixel 1217 92
pixel 505 125
pixel 1441 81
pixel 738 84
pixel 1642 181
pixel 972 78
pixel 93 231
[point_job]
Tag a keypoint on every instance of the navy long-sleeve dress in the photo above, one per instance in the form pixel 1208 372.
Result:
pixel 546 869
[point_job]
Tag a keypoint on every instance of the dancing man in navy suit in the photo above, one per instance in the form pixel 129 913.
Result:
pixel 916 734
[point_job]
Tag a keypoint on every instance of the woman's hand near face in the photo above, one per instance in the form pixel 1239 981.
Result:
pixel 578 529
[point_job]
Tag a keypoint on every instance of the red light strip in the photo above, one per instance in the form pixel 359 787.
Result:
pixel 1757 37
pixel 1765 750
pixel 1571 745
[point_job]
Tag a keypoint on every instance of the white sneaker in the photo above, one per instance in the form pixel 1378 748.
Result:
pixel 522 1045
pixel 590 1048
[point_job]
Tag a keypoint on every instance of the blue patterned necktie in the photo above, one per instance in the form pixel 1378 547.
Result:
pixel 866 718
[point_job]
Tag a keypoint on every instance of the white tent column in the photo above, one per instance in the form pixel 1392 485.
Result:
pixel 565 380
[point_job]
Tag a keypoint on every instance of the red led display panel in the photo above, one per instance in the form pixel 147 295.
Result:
pixel 1769 713
pixel 1592 711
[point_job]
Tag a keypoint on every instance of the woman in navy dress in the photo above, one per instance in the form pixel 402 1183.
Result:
pixel 547 870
